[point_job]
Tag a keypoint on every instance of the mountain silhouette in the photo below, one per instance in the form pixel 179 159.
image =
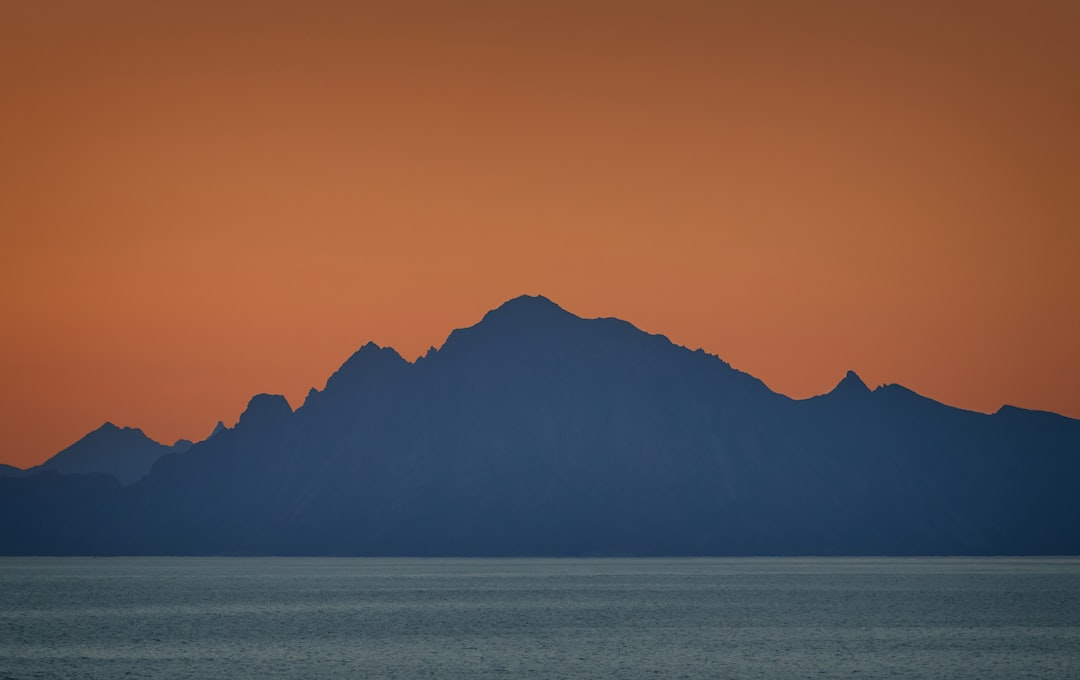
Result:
pixel 537 432
pixel 851 385
pixel 11 471
pixel 125 453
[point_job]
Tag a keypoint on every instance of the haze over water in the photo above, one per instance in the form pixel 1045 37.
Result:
pixel 481 618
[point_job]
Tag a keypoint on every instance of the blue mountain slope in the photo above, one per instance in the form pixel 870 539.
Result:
pixel 121 452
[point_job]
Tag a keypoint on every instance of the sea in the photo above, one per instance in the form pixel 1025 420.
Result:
pixel 233 618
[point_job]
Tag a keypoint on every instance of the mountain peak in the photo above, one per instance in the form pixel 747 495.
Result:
pixel 126 453
pixel 851 384
pixel 524 321
pixel 529 301
pixel 1017 412
pixel 263 411
pixel 218 429
pixel 110 431
pixel 526 308
pixel 370 359
pixel 371 353
pixel 523 312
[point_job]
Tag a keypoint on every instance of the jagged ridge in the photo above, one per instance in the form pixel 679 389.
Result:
pixel 536 432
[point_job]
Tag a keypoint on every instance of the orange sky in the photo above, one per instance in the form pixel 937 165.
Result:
pixel 200 201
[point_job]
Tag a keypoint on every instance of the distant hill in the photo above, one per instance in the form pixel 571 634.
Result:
pixel 536 432
pixel 125 453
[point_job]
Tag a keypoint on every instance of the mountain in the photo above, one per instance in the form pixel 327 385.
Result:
pixel 124 453
pixel 11 471
pixel 536 432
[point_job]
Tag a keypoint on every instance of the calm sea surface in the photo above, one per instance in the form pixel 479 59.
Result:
pixel 525 618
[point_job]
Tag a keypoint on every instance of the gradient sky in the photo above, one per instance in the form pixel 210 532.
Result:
pixel 200 201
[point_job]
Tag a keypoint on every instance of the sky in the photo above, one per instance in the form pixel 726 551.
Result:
pixel 201 201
